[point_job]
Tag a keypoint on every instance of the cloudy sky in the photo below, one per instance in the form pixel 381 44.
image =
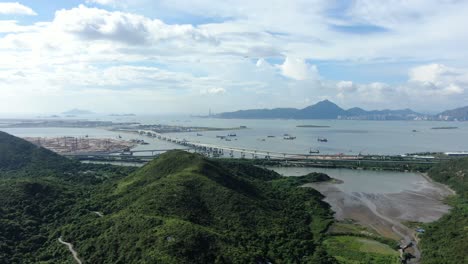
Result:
pixel 186 56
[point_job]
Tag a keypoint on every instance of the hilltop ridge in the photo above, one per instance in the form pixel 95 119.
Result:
pixel 328 110
pixel 324 110
pixel 205 211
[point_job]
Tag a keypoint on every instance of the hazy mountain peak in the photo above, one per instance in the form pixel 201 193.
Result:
pixel 76 111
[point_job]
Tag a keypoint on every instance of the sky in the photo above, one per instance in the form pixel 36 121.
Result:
pixel 189 56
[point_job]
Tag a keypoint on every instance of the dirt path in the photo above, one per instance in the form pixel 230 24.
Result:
pixel 100 214
pixel 70 248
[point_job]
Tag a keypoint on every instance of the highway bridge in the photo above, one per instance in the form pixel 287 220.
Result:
pixel 220 151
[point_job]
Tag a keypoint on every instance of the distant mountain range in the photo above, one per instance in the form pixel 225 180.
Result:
pixel 460 114
pixel 78 112
pixel 328 110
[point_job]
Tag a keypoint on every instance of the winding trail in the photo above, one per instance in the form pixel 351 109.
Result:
pixel 100 214
pixel 70 247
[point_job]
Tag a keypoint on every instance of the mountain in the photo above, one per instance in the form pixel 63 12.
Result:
pixel 19 155
pixel 323 110
pixel 39 192
pixel 179 208
pixel 78 112
pixel 184 208
pixel 357 113
pixel 284 113
pixel 460 114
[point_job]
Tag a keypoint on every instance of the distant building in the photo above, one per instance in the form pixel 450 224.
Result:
pixel 457 153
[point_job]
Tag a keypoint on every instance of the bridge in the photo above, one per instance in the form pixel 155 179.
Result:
pixel 218 151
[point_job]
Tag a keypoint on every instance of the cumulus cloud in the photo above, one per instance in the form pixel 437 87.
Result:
pixel 90 48
pixel 102 2
pixel 298 69
pixel 428 73
pixel 438 79
pixel 261 62
pixel 15 8
pixel 214 90
pixel 345 85
pixel 99 24
pixel 427 87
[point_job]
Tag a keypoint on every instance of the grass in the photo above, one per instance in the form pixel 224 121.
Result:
pixel 353 250
pixel 350 227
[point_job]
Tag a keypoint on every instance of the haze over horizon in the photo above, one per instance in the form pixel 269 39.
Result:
pixel 137 56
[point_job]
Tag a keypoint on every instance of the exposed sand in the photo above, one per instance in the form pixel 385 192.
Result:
pixel 386 212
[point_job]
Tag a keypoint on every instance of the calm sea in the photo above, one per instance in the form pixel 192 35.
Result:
pixel 344 136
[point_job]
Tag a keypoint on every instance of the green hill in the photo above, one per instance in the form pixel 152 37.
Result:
pixel 39 192
pixel 446 240
pixel 180 208
pixel 183 208
pixel 18 154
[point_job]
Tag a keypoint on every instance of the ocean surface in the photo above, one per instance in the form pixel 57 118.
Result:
pixel 344 136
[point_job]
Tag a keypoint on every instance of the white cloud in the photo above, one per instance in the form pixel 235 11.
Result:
pixel 15 8
pixel 86 49
pixel 298 69
pixel 215 90
pixel 102 2
pixel 430 73
pixel 438 79
pixel 261 62
pixel 345 85
pixel 98 24
pixel 429 86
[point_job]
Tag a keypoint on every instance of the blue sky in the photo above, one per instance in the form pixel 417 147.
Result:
pixel 186 56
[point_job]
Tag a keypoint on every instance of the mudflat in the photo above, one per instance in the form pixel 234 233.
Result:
pixel 384 212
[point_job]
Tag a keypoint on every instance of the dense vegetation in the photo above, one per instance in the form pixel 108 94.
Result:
pixel 183 208
pixel 180 208
pixel 39 192
pixel 446 240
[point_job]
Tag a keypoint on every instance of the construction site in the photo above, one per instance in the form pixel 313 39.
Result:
pixel 77 145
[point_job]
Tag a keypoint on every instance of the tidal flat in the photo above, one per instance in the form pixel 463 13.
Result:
pixel 380 200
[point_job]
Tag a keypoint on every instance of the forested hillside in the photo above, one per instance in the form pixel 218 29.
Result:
pixel 180 208
pixel 446 241
pixel 183 208
pixel 39 192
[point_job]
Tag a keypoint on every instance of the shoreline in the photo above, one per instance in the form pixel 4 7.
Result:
pixel 386 213
pixel 440 185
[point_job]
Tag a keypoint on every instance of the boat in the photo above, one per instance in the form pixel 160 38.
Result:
pixel 221 137
pixel 315 151
pixel 199 135
pixel 322 139
pixel 289 137
pixel 232 135
pixel 270 136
